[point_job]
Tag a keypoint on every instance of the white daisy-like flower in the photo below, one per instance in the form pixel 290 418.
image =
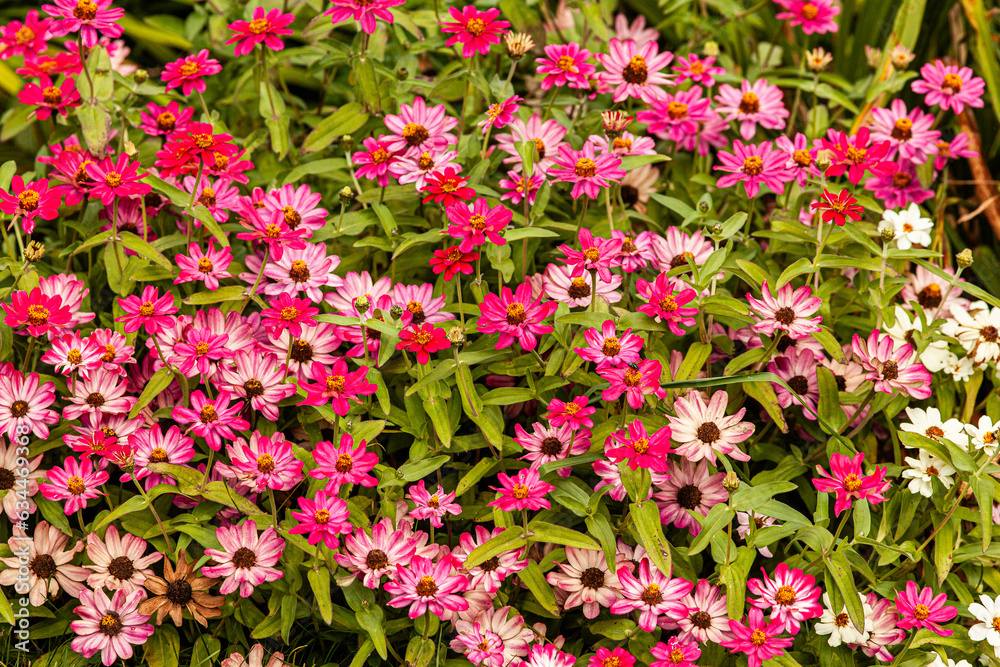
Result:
pixel 909 226
pixel 901 332
pixel 984 435
pixel 961 369
pixel 929 423
pixel 922 472
pixel 977 330
pixel 936 356
pixel 988 615
pixel 839 625
pixel 938 662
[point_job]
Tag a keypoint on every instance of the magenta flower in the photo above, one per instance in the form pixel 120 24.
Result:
pixel 801 159
pixel 207 266
pixel 372 556
pixel 575 413
pixel 263 462
pixel 677 115
pixel 753 103
pixel 432 506
pixel 501 114
pixel 322 519
pixel 364 11
pixel 487 575
pixel 476 31
pixel 247 559
pixel 346 463
pixel 617 657
pixel 212 419
pixel 791 596
pixel 26 39
pixel 698 70
pixel 587 171
pixel 788 310
pixel 899 188
pixel 755 166
pixel 909 133
pixel 595 254
pixel 474 225
pixel 525 490
pixel 266 27
pixel 150 311
pixel 635 383
pixel 704 430
pixel 42 314
pixel 200 352
pixel 76 482
pixel 758 639
pixel 847 479
pixel 375 160
pixel 949 87
pixel 652 593
pixel 189 73
pixel 48 97
pixel 288 312
pixel 115 179
pixel 90 18
pixel 111 626
pixel 608 349
pixel 960 146
pixel 517 186
pixel 565 65
pixel 675 653
pixel 337 385
pixel 157 445
pixel 427 587
pixel 635 70
pixel 921 609
pixel 664 304
pixel 815 16
pixel 24 406
pixel 640 449
pixel 161 121
pixel 515 316
pixel 892 367
pixel 856 155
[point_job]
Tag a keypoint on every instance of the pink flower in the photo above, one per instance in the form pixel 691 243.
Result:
pixel 158 446
pixel 791 596
pixel 675 654
pixel 635 70
pixel 815 16
pixel 587 171
pixel 247 559
pixel 640 449
pixel 565 65
pixel 24 39
pixel 788 310
pixel 475 224
pixel 856 155
pixel 189 73
pixel 161 121
pixel 322 518
pixel 200 352
pixel 266 27
pixel 548 137
pixel 42 314
pixel 417 167
pixel 265 462
pixel 87 17
pixel 150 311
pixel 960 146
pixel 346 463
pixel 517 186
pixel 909 133
pixel 575 287
pixel 755 166
pixel 706 430
pixel 801 159
pixel 757 102
pixel 850 483
pixel 921 609
pixel 595 254
pixel 548 655
pixel 452 261
pixel 71 353
pixel 419 128
pixel 101 392
pixel 949 87
pixel 798 370
pixel 759 640
pixel 75 482
pixel 635 383
pixel 609 349
pixel 207 266
pixel 434 506
pixel 375 555
pixel 48 97
pixel 899 188
pixel 575 413
pixel 476 31
pixel 652 593
pixel 501 114
pixel 665 304
pixel 111 626
pixel 119 562
pixel 688 487
pixel 337 385
pixel 30 201
pixel 427 587
pixel 515 316
pixel 697 69
pixel 525 490
pixel 288 312
pixel 487 575
pixel 551 443
pixel 364 11
pixel 707 619
pixel 375 160
pixel 116 179
pixel 24 404
pixel 677 115
pixel 616 657
pixel 892 367
pixel 212 419
pixel 587 579
pixel 884 632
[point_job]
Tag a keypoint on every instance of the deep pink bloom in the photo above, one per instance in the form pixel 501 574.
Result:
pixel 423 340
pixel 447 187
pixel 758 639
pixel 452 261
pixel 364 11
pixel 635 383
pixel 322 518
pixel 247 559
pixel 112 626
pixel 31 200
pixel 675 653
pixel 48 97
pixel 75 482
pixel 551 443
pixel 161 121
pixel 432 506
pixel 607 348
pixel 791 596
pixel 263 462
pixel 921 609
pixel 346 463
pixel 42 314
pixel 265 27
pixel 857 154
pixel 375 160
pixel 87 17
pixel 892 367
pixel 525 490
pixel 212 419
pixel 500 114
pixel 755 165
pixel 337 385
pixel 113 179
pixel 475 224
pixel 189 73
pixel 617 657
pixel 635 70
pixel 207 266
pixel 900 188
pixel 838 208
pixel 677 115
pixel 652 593
pixel 377 554
pixel 565 65
pixel 850 483
pixel 801 159
pixel 960 146
pixel 575 413
pixel 515 316
pixel 640 449
pixel 24 39
pixel 664 303
pixel 786 310
pixel 587 171
pixel 908 132
pixel 595 254
pixel 150 311
pixel 427 587
pixel 815 16
pixel 476 31
pixel 699 70
pixel 288 312
pixel 949 87
pixel 753 103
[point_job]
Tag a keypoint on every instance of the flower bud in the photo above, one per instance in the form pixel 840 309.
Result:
pixel 402 74
pixel 731 482
pixel 718 229
pixel 347 143
pixel 710 49
pixel 518 43
pixel 140 76
pixel 964 258
pixel 35 251
pixel 346 195
pixel 614 123
pixel 817 59
pixel 824 159
pixel 396 311
pixel 362 304
pixel 130 149
pixel 873 56
pixel 456 335
pixel 704 207
pixel 901 57
pixel 888 234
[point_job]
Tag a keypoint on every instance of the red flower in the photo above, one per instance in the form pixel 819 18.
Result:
pixel 838 208
pixel 453 261
pixel 857 157
pixel 116 179
pixel 423 340
pixel 28 201
pixel 447 187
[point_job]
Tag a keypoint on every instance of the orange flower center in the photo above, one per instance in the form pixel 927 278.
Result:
pixel 753 165
pixel 585 168
pixel 749 103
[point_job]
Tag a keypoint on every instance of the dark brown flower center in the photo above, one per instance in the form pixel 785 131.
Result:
pixel 490 565
pixel 890 371
pixel 18 409
pixel 426 586
pixel 253 388
pixel 301 351
pixel 578 289
pixel 799 384
pixel 95 400
pixel 708 432
pixel 415 134
pixel 166 122
pixel 592 577
pixel 989 334
pixel 785 315
pixel 901 179
pixel 701 619
pixel 749 103
pixel 299 271
pixel 930 296
pixel 551 446
pixel 179 592
pixel 652 595
pixel 42 566
pixel 611 346
pixel 6 479
pixel 376 560
pixel 902 129
pixel 635 71
pixel 111 624
pixel 515 314
pixel 689 496
pixel 244 558
pixel 121 568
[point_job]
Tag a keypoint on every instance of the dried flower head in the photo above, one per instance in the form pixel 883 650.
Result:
pixel 518 44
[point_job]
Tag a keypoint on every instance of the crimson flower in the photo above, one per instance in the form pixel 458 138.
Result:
pixel 423 340
pixel 265 28
pixel 858 157
pixel 850 483
pixel 116 179
pixel 758 639
pixel 452 261
pixel 41 313
pixel 189 73
pixel 48 97
pixel 30 201
pixel 150 311
pixel 837 208
pixel 447 187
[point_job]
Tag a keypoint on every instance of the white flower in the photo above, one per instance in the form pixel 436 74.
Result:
pixel 928 423
pixel 922 472
pixel 988 615
pixel 909 226
pixel 938 662
pixel 978 331
pixel 840 627
pixel 936 356
pixel 984 435
pixel 961 369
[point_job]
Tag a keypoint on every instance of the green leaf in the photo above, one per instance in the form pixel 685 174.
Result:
pixel 615 630
pixel 95 122
pixel 472 477
pixel 227 293
pixel 508 540
pixel 982 486
pixel 136 244
pixel 160 381
pixel 534 579
pixel 414 470
pixel 419 652
pixel 647 524
pixel 164 648
pixel 764 394
pixel 549 532
pixel 840 570
pixel 371 620
pixel 829 399
pixel 800 266
pixel 720 516
pixel 364 70
pixel 748 498
pixel 599 527
pixel 206 651
pixel 361 657
pixel 346 120
pixel 319 580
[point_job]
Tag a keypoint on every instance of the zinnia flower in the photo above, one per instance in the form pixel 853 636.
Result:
pixel 587 171
pixel 758 639
pixel 476 31
pixel 847 479
pixel 525 490
pixel 754 166
pixel 265 27
pixel 247 559
pixel 921 609
pixel 111 626
pixel 949 87
pixel 787 310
